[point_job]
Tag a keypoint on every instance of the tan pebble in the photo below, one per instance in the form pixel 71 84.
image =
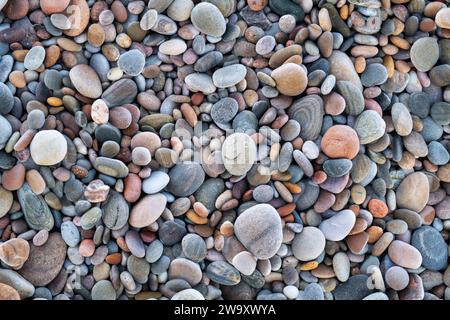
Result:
pixel 17 78
pixel 8 293
pixel 96 35
pixel 35 180
pixel 15 252
pixel 360 64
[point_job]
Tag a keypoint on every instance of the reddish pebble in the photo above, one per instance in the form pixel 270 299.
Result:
pixel 340 141
pixel 87 248
pixel 378 208
pixel 13 179
pixel 40 238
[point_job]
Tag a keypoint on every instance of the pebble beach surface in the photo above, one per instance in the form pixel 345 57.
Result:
pixel 224 149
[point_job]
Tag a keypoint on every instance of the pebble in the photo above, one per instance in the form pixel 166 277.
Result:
pixel 245 262
pixel 34 58
pixel 8 293
pixel 308 244
pixel 70 234
pixel 375 74
pixel 14 252
pixel 45 262
pixel 262 193
pixel 223 273
pixel 14 280
pixel 369 126
pixel 141 217
pixel 413 192
pixel 401 119
pixel 48 148
pixel 131 62
pixel 208 19
pixel 432 247
pixel 340 141
pixel 437 153
pixel 404 255
pixel 157 181
pixel 338 226
pixel 259 230
pixel 290 79
pixel 424 53
pixel 86 81
pixel 238 153
pixel 188 294
pixel 194 247
pixel 36 211
pixel 7 103
pixel 103 290
pixel 354 289
pixel 192 175
pixel 228 76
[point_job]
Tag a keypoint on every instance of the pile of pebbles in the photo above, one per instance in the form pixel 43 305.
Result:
pixel 224 149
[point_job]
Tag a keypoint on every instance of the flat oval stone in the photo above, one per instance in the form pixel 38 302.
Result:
pixel 440 112
pixel 354 289
pixel 48 147
pixel 224 110
pixel 172 232
pixel 223 273
pixel 238 153
pixel 16 281
pixel 404 255
pixel 188 294
pixel 245 262
pixel 308 244
pixel 34 58
pixel 401 119
pixel 437 154
pixel 194 247
pixel 424 53
pixel 374 75
pixel 112 167
pixel 132 62
pixel 141 217
pixel 259 230
pixel 45 262
pixel 36 211
pixel 308 112
pixel 86 81
pixel 192 175
pixel 173 47
pixel 70 234
pixel 157 181
pixel 229 76
pixel 8 293
pixel 208 19
pixel 6 201
pixel 115 211
pixel 432 247
pixel 103 290
pixel 397 278
pixel 338 226
pixel 200 82
pixel 354 99
pixel 341 266
pixel 415 144
pixel 337 167
pixel 6 105
pixel 120 92
pixel 369 126
pixel 413 192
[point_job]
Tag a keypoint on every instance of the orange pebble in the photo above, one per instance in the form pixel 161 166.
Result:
pixel 114 258
pixel 360 64
pixel 54 102
pixel 227 229
pixel 286 209
pixel 293 187
pixel 388 62
pixel 319 177
pixel 375 233
pixel 196 218
pixel 378 208
pixel 122 244
pixel 288 218
pixel 311 265
pixel 343 12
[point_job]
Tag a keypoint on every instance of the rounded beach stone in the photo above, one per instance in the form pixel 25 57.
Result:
pixel 238 153
pixel 194 247
pixel 245 262
pixel 34 58
pixel 338 226
pixel 45 262
pixel 223 273
pixel 397 278
pixel 103 290
pixel 185 269
pixel 6 201
pixel 413 192
pixel 442 18
pixel 6 104
pixel 375 74
pixel 432 247
pixel 8 292
pixel 259 230
pixel 173 47
pixel 48 147
pixel 308 244
pixel 192 175
pixel 141 217
pixel 208 19
pixel 401 118
pixel 157 181
pixel 188 294
pixel 340 141
pixel 424 53
pixel 437 153
pixel 369 126
pixel 132 62
pixel 404 255
pixel 228 76
pixel 290 78
pixel 86 81
pixel 14 252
